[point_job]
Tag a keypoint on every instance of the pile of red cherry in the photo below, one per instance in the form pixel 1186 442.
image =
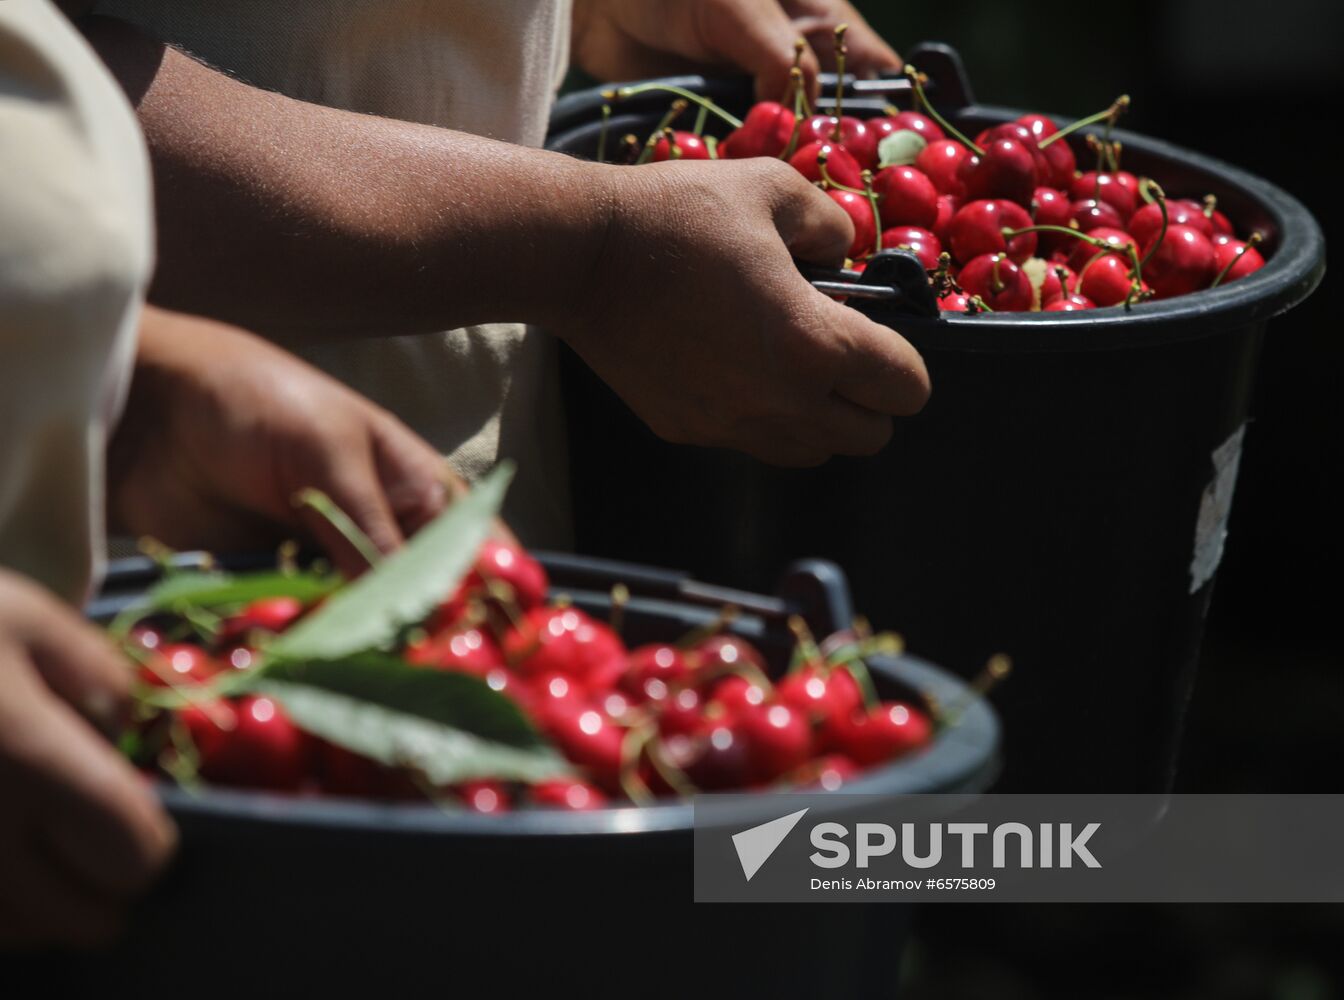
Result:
pixel 658 720
pixel 1023 229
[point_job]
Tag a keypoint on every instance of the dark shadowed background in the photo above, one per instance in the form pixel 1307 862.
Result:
pixel 1259 85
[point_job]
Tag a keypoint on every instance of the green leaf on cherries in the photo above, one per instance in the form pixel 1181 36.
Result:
pixel 371 612
pixel 900 149
pixel 451 727
pixel 215 591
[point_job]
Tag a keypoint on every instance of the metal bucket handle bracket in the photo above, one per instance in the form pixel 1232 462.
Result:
pixel 893 285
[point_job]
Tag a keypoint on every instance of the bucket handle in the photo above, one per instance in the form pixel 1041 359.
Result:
pixel 894 284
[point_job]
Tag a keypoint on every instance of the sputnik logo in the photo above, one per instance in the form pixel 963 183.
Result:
pixel 755 846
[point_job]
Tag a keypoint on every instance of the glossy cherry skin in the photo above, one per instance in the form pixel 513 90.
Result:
pixel 859 141
pixel 179 662
pixel 343 773
pixel 689 145
pixel 779 739
pixel 826 773
pixel 941 162
pixel 469 651
pixel 947 207
pixel 1038 125
pixel 1104 187
pixel 766 131
pixel 501 561
pixel 1019 133
pixel 652 671
pixel 1146 223
pixel 922 243
pixel 1083 251
pixel 258 747
pixel 956 302
pixel 1106 281
pixel 567 793
pixel 484 796
pixel 681 714
pixel 860 212
pixel 725 652
pixel 1183 262
pixel 1051 207
pixel 717 759
pixel 906 197
pixel 1248 261
pixel 840 166
pixel 1005 170
pixel 1070 303
pixel 270 614
pixel 1002 285
pixel 1059 279
pixel 1094 214
pixel 821 695
pixel 1222 225
pixel 734 694
pixel 890 730
pixel 977 229
pixel 587 736
pixel 565 641
pixel 1062 163
pixel 908 121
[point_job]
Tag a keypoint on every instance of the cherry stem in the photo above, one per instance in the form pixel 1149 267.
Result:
pixel 620 597
pixel 841 52
pixel 673 113
pixel 871 195
pixel 629 148
pixel 799 98
pixel 682 92
pixel 632 748
pixel 1251 241
pixel 828 181
pixel 1111 113
pixel 996 670
pixel 1160 198
pixel 995 278
pixel 327 509
pixel 1009 234
pixel 726 616
pixel 602 136
pixel 1210 204
pixel 917 84
pixel 805 645
pixel 674 151
pixel 701 119
pixel 1078 284
pixel 712 147
pixel 975 304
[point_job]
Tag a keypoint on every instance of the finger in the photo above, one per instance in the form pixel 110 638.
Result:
pixel 351 481
pixel 75 660
pixel 96 816
pixel 413 475
pixel 880 370
pixel 849 429
pixel 759 39
pixel 867 54
pixel 812 226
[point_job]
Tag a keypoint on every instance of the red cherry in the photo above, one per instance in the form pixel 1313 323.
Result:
pixel 1183 262
pixel 734 694
pixel 717 759
pixel 469 651
pixel 1222 225
pixel 840 166
pixel 1106 280
pixel 510 564
pixel 567 793
pixel 1039 126
pixel 1062 163
pixel 1005 170
pixel 689 145
pixel 587 736
pixel 890 730
pixel 341 772
pixel 1248 261
pixel 1104 187
pixel 1070 303
pixel 651 672
pixel 906 197
pixel 1002 285
pixel 821 695
pixel 827 773
pixel 941 162
pixel 182 663
pixel 1053 287
pixel 922 243
pixel 269 614
pixel 1051 207
pixel 977 229
pixel 1094 214
pixel 947 207
pixel 1019 133
pixel 1147 221
pixel 725 652
pixel 860 212
pixel 262 749
pixel 767 131
pixel 958 302
pixel 682 714
pixel 1083 251
pixel 908 121
pixel 778 737
pixel 859 141
pixel 485 796
pixel 565 641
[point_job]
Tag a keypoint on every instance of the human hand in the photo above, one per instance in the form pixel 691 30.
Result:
pixel 80 832
pixel 700 320
pixel 223 429
pixel 629 39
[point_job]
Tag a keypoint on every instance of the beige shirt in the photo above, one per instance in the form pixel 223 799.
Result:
pixel 490 67
pixel 75 256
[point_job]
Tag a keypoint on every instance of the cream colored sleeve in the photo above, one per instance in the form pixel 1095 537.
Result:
pixel 75 257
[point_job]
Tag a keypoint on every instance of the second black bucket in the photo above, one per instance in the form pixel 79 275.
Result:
pixel 1063 498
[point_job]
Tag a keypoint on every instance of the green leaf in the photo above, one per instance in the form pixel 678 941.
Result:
pixel 210 589
pixel 450 726
pixel 404 588
pixel 900 149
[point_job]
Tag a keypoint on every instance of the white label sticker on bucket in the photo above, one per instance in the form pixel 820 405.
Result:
pixel 1214 508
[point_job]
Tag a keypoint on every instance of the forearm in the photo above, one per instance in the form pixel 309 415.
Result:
pixel 300 221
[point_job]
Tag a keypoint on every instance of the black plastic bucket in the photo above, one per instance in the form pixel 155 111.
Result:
pixel 342 893
pixel 1062 498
